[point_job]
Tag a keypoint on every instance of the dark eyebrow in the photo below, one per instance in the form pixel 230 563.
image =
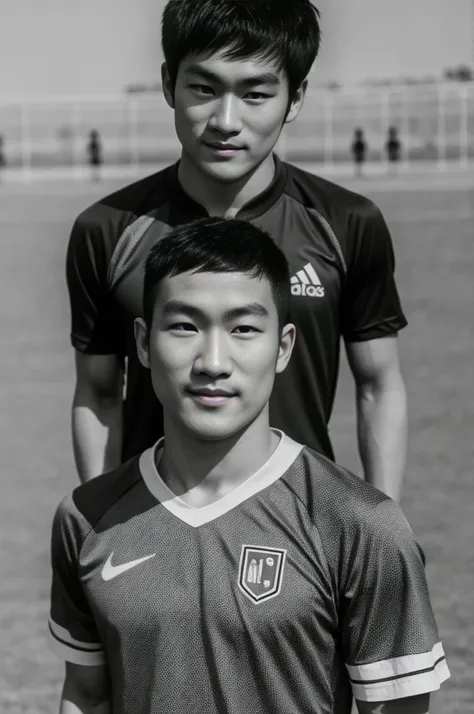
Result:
pixel 252 308
pixel 257 80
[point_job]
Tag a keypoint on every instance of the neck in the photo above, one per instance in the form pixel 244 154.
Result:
pixel 218 197
pixel 203 471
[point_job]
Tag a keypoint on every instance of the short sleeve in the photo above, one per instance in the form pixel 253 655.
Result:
pixel 73 634
pixel 370 306
pixel 390 638
pixel 95 317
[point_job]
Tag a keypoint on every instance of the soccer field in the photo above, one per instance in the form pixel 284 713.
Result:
pixel 432 222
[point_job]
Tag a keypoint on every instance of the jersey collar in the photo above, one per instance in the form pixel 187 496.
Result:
pixel 273 469
pixel 251 210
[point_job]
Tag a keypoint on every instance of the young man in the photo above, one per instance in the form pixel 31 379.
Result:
pixel 235 72
pixel 229 569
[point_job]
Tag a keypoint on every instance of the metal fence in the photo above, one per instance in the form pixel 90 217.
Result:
pixel 435 124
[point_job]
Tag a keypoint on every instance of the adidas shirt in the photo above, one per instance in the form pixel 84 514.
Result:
pixel 342 283
pixel 300 587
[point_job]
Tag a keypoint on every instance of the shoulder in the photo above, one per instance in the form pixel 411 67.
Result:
pixel 336 497
pixel 80 511
pixel 113 212
pixel 330 199
pixel 352 517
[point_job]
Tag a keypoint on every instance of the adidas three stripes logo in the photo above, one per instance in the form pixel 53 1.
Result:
pixel 307 283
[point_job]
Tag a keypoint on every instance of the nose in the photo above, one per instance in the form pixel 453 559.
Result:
pixel 213 357
pixel 226 117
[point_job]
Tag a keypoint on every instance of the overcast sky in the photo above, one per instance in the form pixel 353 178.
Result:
pixel 100 46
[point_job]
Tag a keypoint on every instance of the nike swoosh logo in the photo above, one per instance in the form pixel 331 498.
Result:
pixel 109 571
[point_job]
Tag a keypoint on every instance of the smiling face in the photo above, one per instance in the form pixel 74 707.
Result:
pixel 213 348
pixel 229 113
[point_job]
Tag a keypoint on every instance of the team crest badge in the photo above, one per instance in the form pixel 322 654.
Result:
pixel 261 572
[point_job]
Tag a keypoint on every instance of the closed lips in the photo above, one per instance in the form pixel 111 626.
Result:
pixel 211 392
pixel 228 147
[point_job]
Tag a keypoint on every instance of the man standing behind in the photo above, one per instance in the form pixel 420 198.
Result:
pixel 235 73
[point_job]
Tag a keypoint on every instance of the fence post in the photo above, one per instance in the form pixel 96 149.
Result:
pixel 133 132
pixel 328 129
pixel 385 120
pixel 405 129
pixel 77 149
pixel 441 106
pixel 25 142
pixel 464 128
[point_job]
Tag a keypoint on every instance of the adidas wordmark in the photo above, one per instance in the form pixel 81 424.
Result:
pixel 307 283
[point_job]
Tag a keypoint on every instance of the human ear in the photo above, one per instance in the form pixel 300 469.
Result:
pixel 142 341
pixel 287 342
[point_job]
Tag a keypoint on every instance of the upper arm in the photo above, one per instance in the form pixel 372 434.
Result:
pixel 86 684
pixel 419 704
pixel 370 305
pixel 374 361
pixel 98 375
pixel 390 639
pixel 96 317
pixel 73 632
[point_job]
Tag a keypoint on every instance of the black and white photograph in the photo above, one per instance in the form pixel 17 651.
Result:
pixel 237 357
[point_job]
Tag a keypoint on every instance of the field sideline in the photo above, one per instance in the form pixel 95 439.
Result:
pixel 431 218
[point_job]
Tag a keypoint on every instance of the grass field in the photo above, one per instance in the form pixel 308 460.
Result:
pixel 432 223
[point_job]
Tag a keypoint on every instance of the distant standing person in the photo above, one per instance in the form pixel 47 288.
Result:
pixel 359 150
pixel 393 148
pixel 94 150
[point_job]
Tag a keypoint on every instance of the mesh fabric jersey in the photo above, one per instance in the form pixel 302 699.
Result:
pixel 301 587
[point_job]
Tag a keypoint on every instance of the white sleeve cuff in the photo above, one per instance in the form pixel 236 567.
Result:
pixel 399 677
pixel 64 646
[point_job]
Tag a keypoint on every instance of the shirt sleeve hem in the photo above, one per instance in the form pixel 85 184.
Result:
pixel 86 347
pixel 375 332
pixel 408 687
pixel 399 677
pixel 67 648
pixel 70 654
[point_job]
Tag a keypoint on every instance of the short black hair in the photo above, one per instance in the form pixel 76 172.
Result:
pixel 284 31
pixel 218 245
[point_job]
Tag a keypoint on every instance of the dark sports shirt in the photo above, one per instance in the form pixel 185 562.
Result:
pixel 342 281
pixel 298 589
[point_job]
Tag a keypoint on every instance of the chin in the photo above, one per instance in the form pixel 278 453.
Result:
pixel 225 172
pixel 217 432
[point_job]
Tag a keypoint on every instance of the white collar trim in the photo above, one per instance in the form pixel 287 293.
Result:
pixel 273 469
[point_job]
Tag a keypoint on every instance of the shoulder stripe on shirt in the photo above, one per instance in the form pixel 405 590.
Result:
pixel 126 245
pixel 331 234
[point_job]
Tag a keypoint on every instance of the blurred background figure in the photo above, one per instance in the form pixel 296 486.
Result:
pixel 95 155
pixel 393 149
pixel 359 150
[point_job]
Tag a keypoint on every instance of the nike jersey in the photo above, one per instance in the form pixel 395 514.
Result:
pixel 342 283
pixel 301 587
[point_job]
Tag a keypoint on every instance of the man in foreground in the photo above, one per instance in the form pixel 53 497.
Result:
pixel 235 74
pixel 230 569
